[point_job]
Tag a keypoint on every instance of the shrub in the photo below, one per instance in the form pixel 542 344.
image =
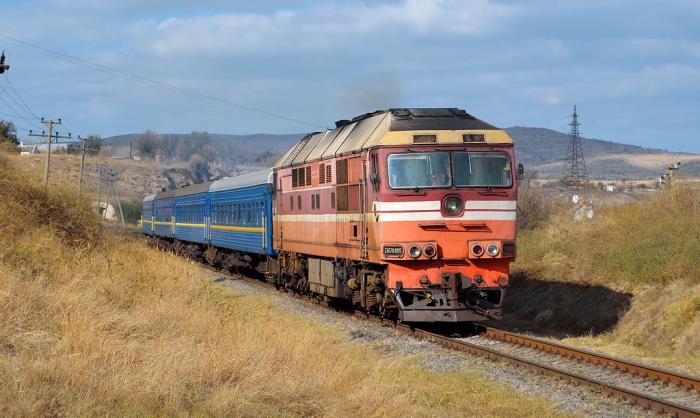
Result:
pixel 132 211
pixel 534 209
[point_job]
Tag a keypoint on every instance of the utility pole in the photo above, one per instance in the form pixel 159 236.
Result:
pixel 82 164
pixel 83 150
pixel 110 176
pixel 99 186
pixel 49 123
pixel 131 145
pixel 119 202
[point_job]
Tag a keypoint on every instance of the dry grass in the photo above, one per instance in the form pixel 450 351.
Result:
pixel 648 249
pixel 651 242
pixel 138 177
pixel 93 325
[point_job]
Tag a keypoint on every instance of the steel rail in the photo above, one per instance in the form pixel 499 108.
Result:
pixel 647 371
pixel 654 403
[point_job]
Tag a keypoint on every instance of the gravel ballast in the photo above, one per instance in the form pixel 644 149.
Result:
pixel 566 397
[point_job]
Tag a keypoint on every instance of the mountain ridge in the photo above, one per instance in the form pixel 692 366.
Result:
pixel 539 149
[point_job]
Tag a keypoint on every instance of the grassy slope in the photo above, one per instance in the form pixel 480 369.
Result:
pixel 92 324
pixel 137 177
pixel 648 250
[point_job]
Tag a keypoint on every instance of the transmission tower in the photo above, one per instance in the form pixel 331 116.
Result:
pixel 575 175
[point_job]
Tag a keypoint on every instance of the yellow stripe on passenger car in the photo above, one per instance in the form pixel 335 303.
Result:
pixel 237 228
pixel 162 223
pixel 192 225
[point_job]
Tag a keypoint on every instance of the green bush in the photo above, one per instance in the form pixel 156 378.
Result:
pixel 132 211
pixel 654 241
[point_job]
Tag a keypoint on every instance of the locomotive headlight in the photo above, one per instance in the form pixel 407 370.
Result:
pixel 477 250
pixel 429 250
pixel 414 251
pixel 493 250
pixel 452 205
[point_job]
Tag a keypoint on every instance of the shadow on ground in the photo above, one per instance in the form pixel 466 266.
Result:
pixel 561 309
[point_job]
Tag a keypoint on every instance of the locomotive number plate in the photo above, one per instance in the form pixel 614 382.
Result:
pixel 393 251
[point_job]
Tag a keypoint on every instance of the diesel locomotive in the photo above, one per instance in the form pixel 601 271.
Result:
pixel 406 213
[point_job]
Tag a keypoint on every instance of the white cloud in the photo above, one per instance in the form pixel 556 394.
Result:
pixel 544 95
pixel 651 82
pixel 323 26
pixel 323 60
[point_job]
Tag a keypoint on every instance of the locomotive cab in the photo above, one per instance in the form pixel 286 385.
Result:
pixel 444 216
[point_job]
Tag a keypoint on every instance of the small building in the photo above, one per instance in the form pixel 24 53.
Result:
pixel 107 211
pixel 26 149
pixel 41 148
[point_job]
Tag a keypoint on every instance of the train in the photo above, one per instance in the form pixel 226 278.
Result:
pixel 406 213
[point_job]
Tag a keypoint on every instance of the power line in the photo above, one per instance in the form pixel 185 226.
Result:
pixel 26 106
pixel 114 71
pixel 18 104
pixel 16 112
pixel 19 128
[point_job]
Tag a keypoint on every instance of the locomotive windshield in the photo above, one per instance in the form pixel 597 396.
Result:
pixel 433 170
pixel 419 170
pixel 482 169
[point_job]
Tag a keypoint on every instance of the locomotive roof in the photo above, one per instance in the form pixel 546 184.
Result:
pixel 245 180
pixel 389 127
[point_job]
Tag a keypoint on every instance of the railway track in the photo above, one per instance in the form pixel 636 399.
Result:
pixel 689 408
pixel 690 384
pixel 658 374
pixel 646 400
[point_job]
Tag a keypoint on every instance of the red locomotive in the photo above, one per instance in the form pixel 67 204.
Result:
pixel 408 213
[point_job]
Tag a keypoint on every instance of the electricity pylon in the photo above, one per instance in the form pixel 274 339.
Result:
pixel 574 175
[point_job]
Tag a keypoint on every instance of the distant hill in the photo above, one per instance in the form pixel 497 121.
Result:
pixel 268 142
pixel 538 149
pixel 544 150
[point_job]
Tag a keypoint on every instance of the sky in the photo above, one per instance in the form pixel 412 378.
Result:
pixel 632 68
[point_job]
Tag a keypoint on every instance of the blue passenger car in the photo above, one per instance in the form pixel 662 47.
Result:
pixel 191 213
pixel 147 215
pixel 241 213
pixel 163 225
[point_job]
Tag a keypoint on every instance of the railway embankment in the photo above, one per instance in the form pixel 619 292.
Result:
pixel 97 323
pixel 626 283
